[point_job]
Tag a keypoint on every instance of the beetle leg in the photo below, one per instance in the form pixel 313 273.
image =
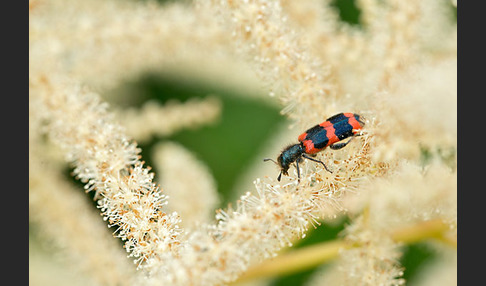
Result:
pixel 298 169
pixel 337 146
pixel 312 159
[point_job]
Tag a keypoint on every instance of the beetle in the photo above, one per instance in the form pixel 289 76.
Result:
pixel 317 138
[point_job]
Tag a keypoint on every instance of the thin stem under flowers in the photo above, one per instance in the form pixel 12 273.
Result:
pixel 436 229
pixel 307 257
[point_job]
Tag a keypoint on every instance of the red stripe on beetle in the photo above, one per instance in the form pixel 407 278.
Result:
pixel 353 122
pixel 302 136
pixel 331 135
pixel 325 124
pixel 309 147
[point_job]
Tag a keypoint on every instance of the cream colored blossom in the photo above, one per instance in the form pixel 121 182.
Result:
pixel 375 262
pixel 410 194
pixel 188 183
pixel 154 119
pixel 108 163
pixel 428 94
pixel 262 33
pixel 136 37
pixel 67 217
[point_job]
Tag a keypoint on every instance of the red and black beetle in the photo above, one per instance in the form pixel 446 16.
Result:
pixel 315 139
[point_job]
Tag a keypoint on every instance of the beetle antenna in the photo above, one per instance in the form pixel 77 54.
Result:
pixel 268 159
